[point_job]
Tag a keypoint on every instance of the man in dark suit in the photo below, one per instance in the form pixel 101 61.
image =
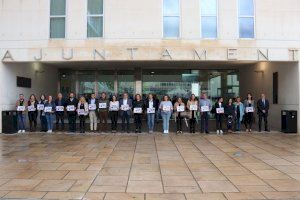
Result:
pixel 125 111
pixel 72 101
pixel 262 111
pixel 60 115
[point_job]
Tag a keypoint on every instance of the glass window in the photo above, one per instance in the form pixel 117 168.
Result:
pixel 105 82
pixel 86 82
pixel 95 18
pixel 57 18
pixel 171 18
pixel 126 82
pixel 246 19
pixel 209 18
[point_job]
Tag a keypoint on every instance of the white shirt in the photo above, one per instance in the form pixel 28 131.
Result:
pixel 124 101
pixel 220 104
pixel 93 101
pixel 150 103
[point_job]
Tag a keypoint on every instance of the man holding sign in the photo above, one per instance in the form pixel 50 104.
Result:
pixel 93 105
pixel 138 106
pixel 20 105
pixel 71 105
pixel 219 106
pixel 103 111
pixel 60 111
pixel 125 107
pixel 205 107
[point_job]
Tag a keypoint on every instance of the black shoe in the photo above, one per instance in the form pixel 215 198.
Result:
pixel 207 132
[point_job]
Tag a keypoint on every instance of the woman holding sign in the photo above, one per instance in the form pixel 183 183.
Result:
pixel 83 111
pixel 219 106
pixel 103 111
pixel 49 113
pixel 239 112
pixel 20 105
pixel 192 107
pixel 32 112
pixel 71 105
pixel 166 108
pixel 41 107
pixel 113 112
pixel 138 106
pixel 179 108
pixel 151 106
pixel 249 110
pixel 93 105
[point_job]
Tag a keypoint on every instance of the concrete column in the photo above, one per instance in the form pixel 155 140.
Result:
pixel 2 93
pixel 138 80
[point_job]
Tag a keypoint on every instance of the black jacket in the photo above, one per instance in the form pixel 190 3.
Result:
pixel 63 103
pixel 230 109
pixel 72 103
pixel 262 106
pixel 155 104
pixel 138 104
pixel 217 106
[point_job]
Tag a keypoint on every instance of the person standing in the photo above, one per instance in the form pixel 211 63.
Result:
pixel 126 106
pixel 230 114
pixel 60 112
pixel 32 112
pixel 138 106
pixel 205 107
pixel 249 110
pixel 93 106
pixel 179 108
pixel 219 106
pixel 262 111
pixel 151 107
pixel 166 109
pixel 71 105
pixel 49 113
pixel 43 119
pixel 156 100
pixel 192 107
pixel 82 111
pixel 113 112
pixel 103 111
pixel 21 106
pixel 239 113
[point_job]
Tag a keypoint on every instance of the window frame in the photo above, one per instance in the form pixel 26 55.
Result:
pixel 58 16
pixel 217 21
pixel 246 16
pixel 163 16
pixel 95 15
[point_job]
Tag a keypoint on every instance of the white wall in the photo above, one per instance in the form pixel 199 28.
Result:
pixel 44 80
pixel 253 80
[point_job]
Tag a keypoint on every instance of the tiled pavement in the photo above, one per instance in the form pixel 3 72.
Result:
pixel 151 167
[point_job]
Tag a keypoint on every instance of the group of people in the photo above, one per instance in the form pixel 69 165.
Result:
pixel 234 113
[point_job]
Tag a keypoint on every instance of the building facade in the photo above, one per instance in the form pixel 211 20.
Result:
pixel 175 47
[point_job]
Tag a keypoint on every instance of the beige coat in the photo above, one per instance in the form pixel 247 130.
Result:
pixel 188 107
pixel 175 108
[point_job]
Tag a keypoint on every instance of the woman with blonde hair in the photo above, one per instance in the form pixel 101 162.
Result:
pixel 192 107
pixel 82 111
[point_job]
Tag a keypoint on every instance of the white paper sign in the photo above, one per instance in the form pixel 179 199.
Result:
pixel 40 107
pixel 150 110
pixel 193 107
pixel 249 109
pixel 81 112
pixel 113 107
pixel 124 107
pixel 70 108
pixel 60 108
pixel 31 108
pixel 102 105
pixel 48 109
pixel 180 108
pixel 92 107
pixel 21 108
pixel 204 108
pixel 137 110
pixel 220 110
pixel 166 108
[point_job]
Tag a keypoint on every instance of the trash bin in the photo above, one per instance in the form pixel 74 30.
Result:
pixel 9 121
pixel 289 121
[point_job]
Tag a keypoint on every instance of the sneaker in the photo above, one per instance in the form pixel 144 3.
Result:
pixel 19 131
pixel 218 132
pixel 23 131
pixel 48 131
pixel 221 132
pixel 165 132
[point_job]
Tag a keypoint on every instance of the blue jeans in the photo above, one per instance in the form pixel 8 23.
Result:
pixel 238 124
pixel 50 120
pixel 21 121
pixel 166 119
pixel 150 118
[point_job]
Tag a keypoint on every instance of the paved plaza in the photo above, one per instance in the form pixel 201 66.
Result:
pixel 150 167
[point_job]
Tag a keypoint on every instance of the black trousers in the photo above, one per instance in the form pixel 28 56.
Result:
pixel 114 120
pixel 219 121
pixel 204 122
pixel 192 125
pixel 179 123
pixel 60 118
pixel 261 117
pixel 138 122
pixel 125 117
pixel 248 120
pixel 32 116
pixel 72 122
pixel 82 123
